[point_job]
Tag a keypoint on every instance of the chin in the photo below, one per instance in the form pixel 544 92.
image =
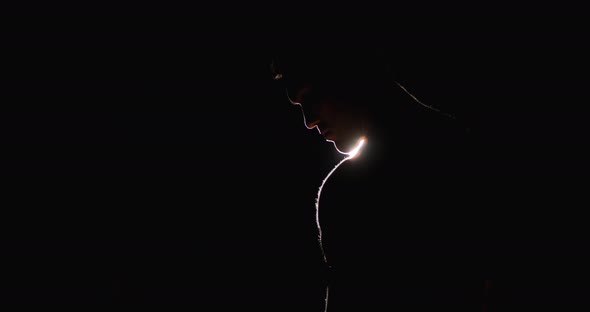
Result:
pixel 345 147
pixel 338 147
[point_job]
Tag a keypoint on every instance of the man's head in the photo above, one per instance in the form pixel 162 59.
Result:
pixel 338 82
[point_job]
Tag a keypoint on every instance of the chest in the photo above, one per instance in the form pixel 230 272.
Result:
pixel 384 221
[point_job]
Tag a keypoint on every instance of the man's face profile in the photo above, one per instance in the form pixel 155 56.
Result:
pixel 326 102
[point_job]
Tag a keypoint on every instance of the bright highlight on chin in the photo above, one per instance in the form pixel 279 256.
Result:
pixel 355 151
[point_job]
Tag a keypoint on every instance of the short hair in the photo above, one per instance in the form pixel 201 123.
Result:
pixel 331 56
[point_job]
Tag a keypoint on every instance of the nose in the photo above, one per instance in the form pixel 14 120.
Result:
pixel 309 118
pixel 296 94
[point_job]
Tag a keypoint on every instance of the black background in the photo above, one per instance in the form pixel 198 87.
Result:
pixel 147 156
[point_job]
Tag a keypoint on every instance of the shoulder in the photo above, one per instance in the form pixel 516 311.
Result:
pixel 433 126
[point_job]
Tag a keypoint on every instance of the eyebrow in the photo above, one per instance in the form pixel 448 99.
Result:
pixel 274 66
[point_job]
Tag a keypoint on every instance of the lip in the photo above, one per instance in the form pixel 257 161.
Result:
pixel 327 134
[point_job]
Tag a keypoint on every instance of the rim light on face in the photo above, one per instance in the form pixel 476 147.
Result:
pixel 355 151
